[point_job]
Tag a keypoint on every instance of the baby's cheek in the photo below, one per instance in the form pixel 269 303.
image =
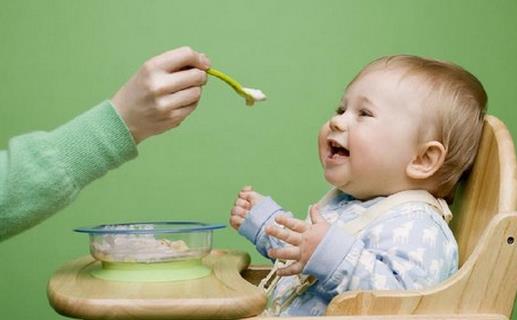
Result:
pixel 363 155
pixel 356 146
pixel 323 134
pixel 322 143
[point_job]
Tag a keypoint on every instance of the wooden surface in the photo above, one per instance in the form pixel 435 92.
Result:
pixel 491 187
pixel 485 226
pixel 403 317
pixel 73 292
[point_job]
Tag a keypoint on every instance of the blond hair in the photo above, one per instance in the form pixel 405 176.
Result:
pixel 458 100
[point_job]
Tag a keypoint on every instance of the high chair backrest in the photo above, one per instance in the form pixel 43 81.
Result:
pixel 490 188
pixel 485 226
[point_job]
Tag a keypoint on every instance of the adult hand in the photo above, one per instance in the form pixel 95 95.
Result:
pixel 302 237
pixel 160 95
pixel 246 199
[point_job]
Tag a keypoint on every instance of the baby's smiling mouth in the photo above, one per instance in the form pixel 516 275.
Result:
pixel 337 149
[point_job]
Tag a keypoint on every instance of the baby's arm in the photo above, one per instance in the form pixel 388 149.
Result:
pixel 408 251
pixel 251 214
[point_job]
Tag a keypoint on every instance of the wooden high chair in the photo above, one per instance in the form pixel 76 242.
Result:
pixel 485 226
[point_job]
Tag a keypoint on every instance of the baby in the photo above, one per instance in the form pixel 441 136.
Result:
pixel 407 128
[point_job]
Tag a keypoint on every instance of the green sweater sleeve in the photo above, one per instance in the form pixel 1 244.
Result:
pixel 42 172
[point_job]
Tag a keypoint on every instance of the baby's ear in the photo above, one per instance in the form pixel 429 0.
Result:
pixel 427 161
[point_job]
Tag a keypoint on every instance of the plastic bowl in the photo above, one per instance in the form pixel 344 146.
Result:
pixel 150 242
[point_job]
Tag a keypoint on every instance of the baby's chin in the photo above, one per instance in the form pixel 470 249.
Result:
pixel 345 187
pixel 336 182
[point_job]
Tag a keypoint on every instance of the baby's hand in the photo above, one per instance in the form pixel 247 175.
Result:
pixel 246 199
pixel 303 238
pixel 165 90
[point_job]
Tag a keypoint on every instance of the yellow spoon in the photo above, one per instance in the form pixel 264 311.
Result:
pixel 251 95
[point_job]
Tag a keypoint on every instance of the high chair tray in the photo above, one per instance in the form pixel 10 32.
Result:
pixel 223 294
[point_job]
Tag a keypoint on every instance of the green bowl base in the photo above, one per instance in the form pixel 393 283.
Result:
pixel 151 272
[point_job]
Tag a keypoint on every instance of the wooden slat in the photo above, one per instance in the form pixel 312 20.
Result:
pixel 491 187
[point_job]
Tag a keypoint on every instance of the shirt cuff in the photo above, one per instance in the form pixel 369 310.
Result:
pixel 93 143
pixel 329 254
pixel 257 217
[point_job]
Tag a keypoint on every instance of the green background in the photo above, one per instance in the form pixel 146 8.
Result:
pixel 58 58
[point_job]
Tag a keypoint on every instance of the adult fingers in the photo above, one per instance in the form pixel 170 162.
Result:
pixel 180 58
pixel 182 113
pixel 291 223
pixel 286 235
pixel 172 82
pixel 176 117
pixel 238 211
pixel 171 102
pixel 285 253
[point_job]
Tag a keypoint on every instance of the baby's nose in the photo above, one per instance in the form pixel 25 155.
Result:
pixel 338 123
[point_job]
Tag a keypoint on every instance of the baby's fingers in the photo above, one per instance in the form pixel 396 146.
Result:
pixel 242 203
pixel 286 235
pixel 245 191
pixel 285 253
pixel 291 223
pixel 236 221
pixel 247 195
pixel 239 211
pixel 292 269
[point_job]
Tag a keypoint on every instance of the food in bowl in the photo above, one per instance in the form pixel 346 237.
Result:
pixel 149 242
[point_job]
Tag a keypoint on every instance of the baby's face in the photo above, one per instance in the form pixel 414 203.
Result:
pixel 367 145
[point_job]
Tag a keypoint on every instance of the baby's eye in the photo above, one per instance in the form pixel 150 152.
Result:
pixel 365 113
pixel 340 110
